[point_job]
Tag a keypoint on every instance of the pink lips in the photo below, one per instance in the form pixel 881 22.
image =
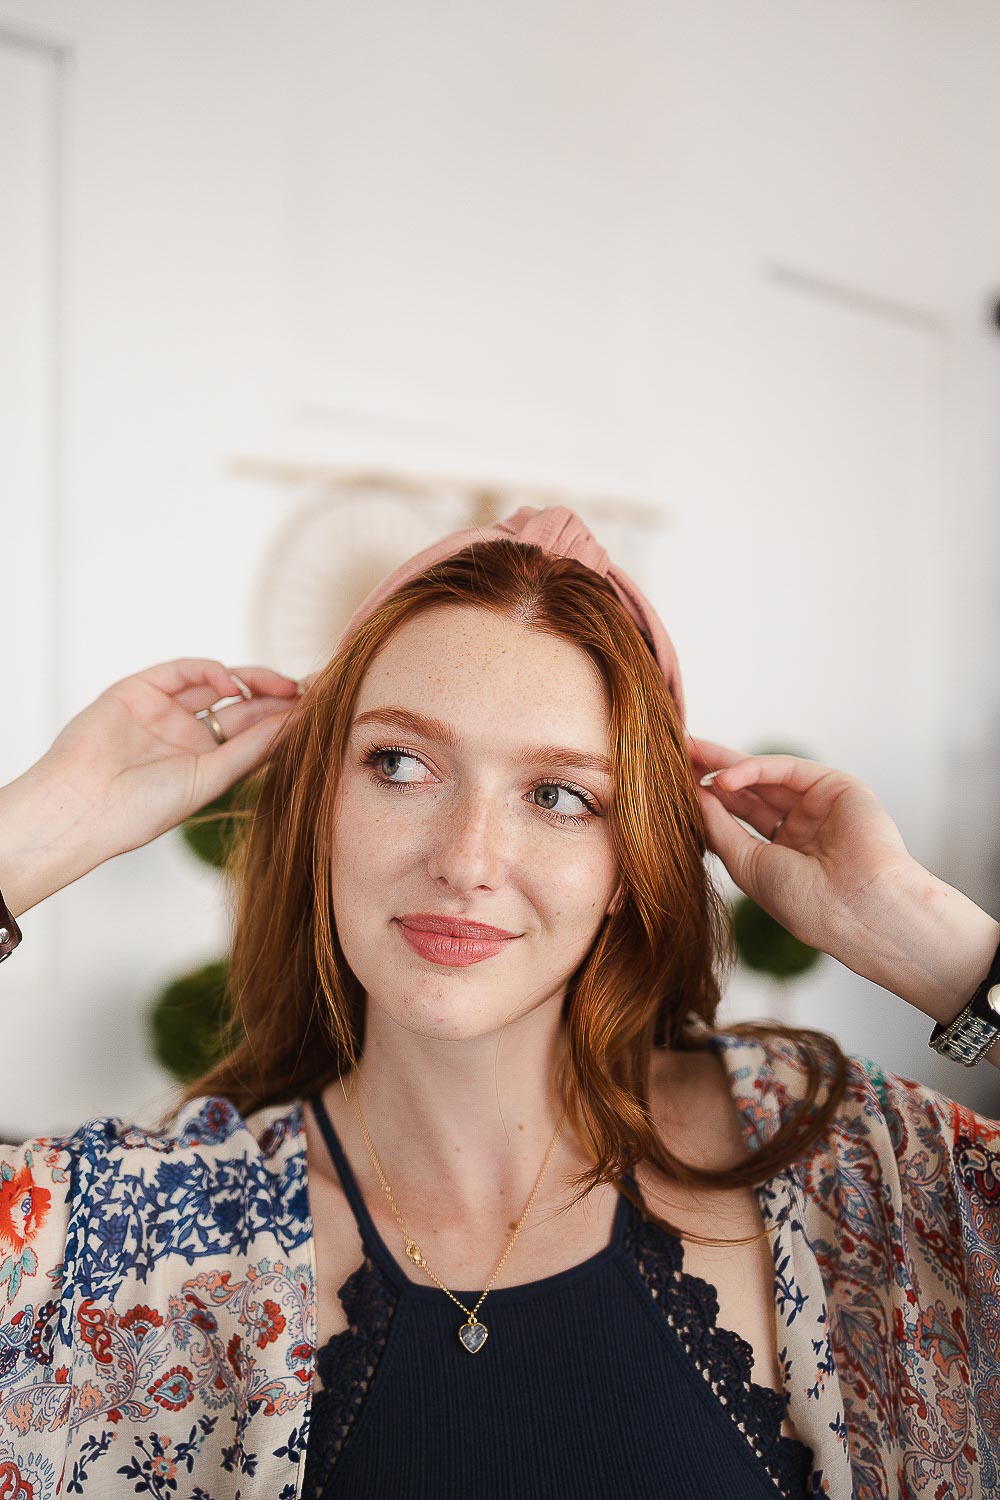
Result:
pixel 444 940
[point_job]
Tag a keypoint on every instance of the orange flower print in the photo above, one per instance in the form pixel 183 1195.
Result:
pixel 23 1207
pixel 269 1323
pixel 23 1210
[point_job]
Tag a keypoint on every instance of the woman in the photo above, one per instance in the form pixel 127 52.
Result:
pixel 474 972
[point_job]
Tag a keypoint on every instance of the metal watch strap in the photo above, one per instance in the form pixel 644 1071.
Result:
pixel 976 1027
pixel 10 933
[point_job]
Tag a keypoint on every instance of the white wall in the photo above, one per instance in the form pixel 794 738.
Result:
pixel 735 260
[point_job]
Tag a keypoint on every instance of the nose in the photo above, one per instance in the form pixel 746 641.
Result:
pixel 470 844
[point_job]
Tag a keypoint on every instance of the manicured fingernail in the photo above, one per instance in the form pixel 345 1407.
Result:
pixel 241 685
pixel 707 780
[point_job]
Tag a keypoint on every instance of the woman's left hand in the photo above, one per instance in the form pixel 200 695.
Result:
pixel 836 873
pixel 833 857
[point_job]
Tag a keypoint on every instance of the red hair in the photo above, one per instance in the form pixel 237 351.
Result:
pixel 297 1008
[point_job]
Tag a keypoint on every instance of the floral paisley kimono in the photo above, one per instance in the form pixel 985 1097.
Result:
pixel 157 1296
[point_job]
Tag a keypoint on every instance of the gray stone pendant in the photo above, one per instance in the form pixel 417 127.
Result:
pixel 473 1336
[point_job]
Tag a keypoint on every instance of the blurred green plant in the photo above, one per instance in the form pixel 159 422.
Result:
pixel 188 1021
pixel 188 1017
pixel 763 945
pixel 208 833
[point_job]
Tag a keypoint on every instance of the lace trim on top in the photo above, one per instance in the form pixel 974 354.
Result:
pixel 346 1364
pixel 348 1360
pixel 724 1359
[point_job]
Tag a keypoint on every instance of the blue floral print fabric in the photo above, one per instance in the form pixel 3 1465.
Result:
pixel 157 1309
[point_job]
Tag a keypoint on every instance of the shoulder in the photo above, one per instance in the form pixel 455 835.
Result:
pixel 776 1078
pixel 209 1125
pixel 156 1274
pixel 883 1122
pixel 876 1103
pixel 96 1182
pixel 766 1079
pixel 694 1108
pixel 213 1184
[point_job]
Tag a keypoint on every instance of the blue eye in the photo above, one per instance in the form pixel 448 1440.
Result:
pixel 560 786
pixel 389 753
pixel 376 753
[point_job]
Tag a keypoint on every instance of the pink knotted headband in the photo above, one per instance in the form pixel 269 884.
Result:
pixel 559 530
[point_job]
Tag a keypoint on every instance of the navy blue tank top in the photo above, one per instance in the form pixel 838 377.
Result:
pixel 608 1379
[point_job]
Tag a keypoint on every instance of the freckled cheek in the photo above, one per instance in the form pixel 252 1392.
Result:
pixel 574 890
pixel 369 838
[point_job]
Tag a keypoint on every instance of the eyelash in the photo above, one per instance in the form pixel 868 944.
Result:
pixel 374 753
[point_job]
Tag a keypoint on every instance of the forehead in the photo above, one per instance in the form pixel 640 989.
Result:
pixel 480 669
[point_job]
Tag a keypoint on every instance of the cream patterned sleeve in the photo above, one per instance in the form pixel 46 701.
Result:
pixel 35 1394
pixel 157 1309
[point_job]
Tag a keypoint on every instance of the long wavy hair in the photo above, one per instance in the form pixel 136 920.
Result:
pixel 297 1009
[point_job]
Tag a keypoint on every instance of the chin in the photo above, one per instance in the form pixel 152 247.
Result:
pixel 444 1013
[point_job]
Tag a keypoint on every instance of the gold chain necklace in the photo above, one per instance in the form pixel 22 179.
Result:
pixel 472 1333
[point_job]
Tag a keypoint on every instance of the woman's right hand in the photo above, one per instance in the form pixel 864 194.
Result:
pixel 133 764
pixel 141 759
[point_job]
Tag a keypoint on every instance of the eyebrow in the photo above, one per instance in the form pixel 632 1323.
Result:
pixel 411 722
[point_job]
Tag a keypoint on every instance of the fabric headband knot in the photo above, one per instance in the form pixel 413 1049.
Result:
pixel 558 530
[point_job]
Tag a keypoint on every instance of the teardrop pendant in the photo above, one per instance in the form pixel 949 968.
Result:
pixel 473 1336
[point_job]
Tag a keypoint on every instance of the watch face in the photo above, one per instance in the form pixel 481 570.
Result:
pixel 993 999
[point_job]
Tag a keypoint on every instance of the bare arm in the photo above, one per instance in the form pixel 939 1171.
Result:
pixel 47 839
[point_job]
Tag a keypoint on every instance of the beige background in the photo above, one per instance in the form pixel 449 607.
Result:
pixel 735 262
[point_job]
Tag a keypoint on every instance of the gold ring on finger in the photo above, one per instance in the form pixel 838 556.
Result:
pixel 213 724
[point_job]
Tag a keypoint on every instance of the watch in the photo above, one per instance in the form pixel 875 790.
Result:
pixel 10 933
pixel 977 1027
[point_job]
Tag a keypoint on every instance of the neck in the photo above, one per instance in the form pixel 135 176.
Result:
pixel 461 1128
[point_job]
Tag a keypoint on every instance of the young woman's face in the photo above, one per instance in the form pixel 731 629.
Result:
pixel 472 789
